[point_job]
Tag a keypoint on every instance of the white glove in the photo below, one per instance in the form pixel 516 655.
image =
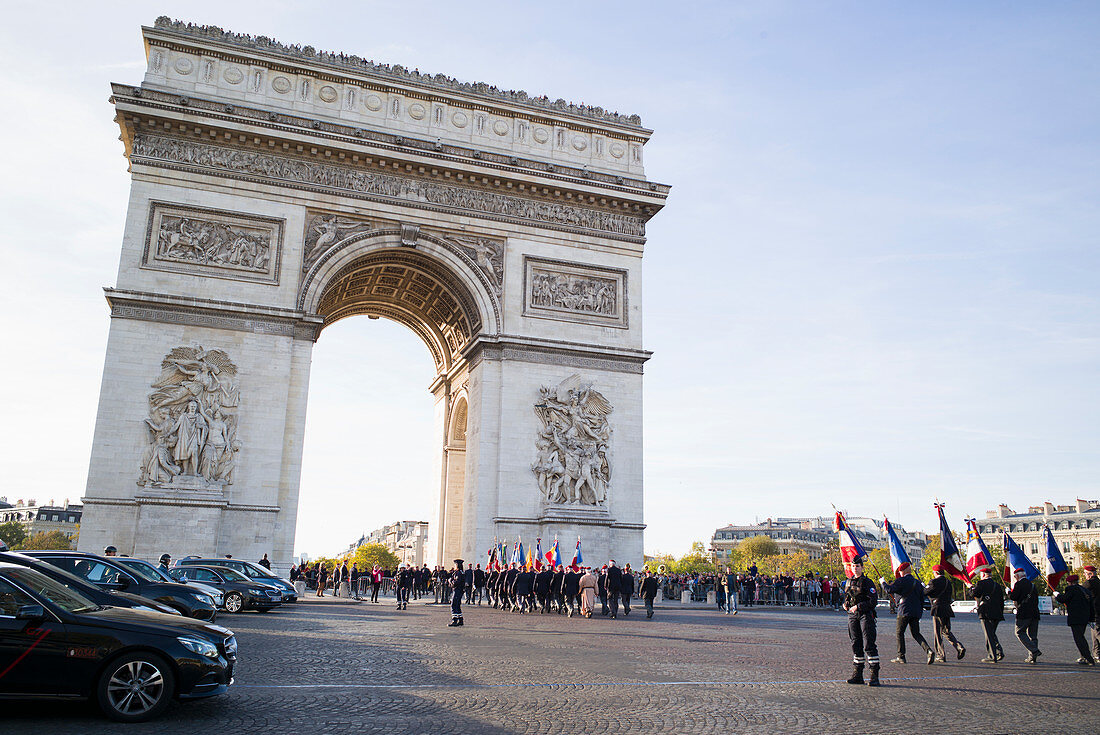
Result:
pixel 882 580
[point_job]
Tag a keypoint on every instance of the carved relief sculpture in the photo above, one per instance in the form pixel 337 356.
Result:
pixel 572 466
pixel 325 230
pixel 575 292
pixel 489 255
pixel 211 242
pixel 192 424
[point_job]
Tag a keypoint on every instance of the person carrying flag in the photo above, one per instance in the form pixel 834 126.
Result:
pixel 860 600
pixel 1026 599
pixel 941 596
pixel 990 596
pixel 909 592
pixel 1079 613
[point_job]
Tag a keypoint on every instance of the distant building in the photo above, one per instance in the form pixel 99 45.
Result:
pixel 812 534
pixel 1070 524
pixel 405 539
pixel 44 518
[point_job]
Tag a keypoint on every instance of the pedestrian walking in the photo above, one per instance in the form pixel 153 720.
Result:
pixel 1079 613
pixel 627 588
pixel 1024 595
pixel 940 595
pixel 991 611
pixel 909 592
pixel 648 592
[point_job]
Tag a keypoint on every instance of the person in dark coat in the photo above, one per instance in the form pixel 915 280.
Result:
pixel 355 580
pixel 613 587
pixel 491 587
pixel 557 588
pixel 990 596
pixel 479 584
pixel 571 590
pixel 322 579
pixel 458 589
pixel 510 587
pixel 601 589
pixel 627 589
pixel 941 596
pixel 469 586
pixel 404 584
pixel 522 589
pixel 648 592
pixel 860 601
pixel 1092 584
pixel 909 593
pixel 543 581
pixel 1079 613
pixel 750 588
pixel 1026 598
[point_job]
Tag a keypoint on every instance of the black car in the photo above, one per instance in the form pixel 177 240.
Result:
pixel 99 596
pixel 56 642
pixel 248 569
pixel 239 591
pixel 114 577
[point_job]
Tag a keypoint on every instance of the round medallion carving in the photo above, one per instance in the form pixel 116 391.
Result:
pixel 541 135
pixel 372 102
pixel 417 111
pixel 233 75
pixel 184 65
pixel 580 142
pixel 500 127
pixel 618 150
pixel 328 94
pixel 281 85
pixel 460 119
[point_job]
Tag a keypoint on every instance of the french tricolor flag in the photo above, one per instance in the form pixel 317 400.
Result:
pixel 899 557
pixel 577 559
pixel 1056 565
pixel 977 555
pixel 1015 558
pixel 850 548
pixel 950 558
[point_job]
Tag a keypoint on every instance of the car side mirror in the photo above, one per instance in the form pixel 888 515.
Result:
pixel 30 612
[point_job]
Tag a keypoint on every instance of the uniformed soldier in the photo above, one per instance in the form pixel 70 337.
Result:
pixel 1026 599
pixel 404 586
pixel 458 588
pixel 990 596
pixel 909 593
pixel 940 595
pixel 860 601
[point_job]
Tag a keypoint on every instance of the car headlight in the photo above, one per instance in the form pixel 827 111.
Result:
pixel 257 592
pixel 204 599
pixel 199 646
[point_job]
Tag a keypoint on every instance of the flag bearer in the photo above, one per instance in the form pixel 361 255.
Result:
pixel 1027 614
pixel 940 595
pixel 860 599
pixel 909 592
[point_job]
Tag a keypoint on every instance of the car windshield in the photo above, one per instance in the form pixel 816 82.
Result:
pixel 65 598
pixel 232 575
pixel 144 569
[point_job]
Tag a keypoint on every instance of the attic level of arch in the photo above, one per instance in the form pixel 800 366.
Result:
pixel 156 111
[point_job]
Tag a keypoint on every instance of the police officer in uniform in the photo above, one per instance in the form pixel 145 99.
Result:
pixel 458 588
pixel 860 600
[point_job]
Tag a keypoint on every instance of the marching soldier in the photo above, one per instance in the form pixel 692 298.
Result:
pixel 458 587
pixel 860 600
pixel 940 595
pixel 1023 594
pixel 909 593
pixel 990 596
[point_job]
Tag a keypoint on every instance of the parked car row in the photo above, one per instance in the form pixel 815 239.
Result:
pixel 112 630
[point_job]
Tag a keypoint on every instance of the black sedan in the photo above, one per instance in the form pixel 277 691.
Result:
pixel 109 575
pixel 56 642
pixel 248 569
pixel 238 591
pixel 99 596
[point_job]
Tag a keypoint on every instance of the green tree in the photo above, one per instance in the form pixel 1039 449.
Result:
pixel 367 555
pixel 44 540
pixel 793 565
pixel 696 560
pixel 13 533
pixel 653 563
pixel 1090 555
pixel 757 547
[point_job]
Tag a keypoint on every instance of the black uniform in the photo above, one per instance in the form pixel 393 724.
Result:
pixel 601 591
pixel 543 582
pixel 990 596
pixel 1027 616
pixel 571 587
pixel 523 588
pixel 627 590
pixel 1093 588
pixel 941 596
pixel 909 593
pixel 648 591
pixel 613 586
pixel 556 589
pixel 404 585
pixel 1079 613
pixel 860 600
pixel 458 587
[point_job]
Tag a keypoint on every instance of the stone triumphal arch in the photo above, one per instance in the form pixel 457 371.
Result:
pixel 276 190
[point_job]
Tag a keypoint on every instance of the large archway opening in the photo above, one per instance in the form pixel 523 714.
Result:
pixel 386 428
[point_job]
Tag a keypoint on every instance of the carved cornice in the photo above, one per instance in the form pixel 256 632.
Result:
pixel 554 520
pixel 284 121
pixel 168 309
pixel 395 73
pixel 554 352
pixel 330 178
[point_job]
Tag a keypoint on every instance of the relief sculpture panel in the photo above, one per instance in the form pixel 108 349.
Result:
pixel 210 242
pixel 572 466
pixel 192 424
pixel 575 292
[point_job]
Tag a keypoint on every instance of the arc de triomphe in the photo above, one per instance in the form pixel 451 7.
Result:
pixel 276 190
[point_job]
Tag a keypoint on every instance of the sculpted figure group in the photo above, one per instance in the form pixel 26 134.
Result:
pixel 192 422
pixel 572 465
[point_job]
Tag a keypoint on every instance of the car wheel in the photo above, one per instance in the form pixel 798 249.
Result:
pixel 135 687
pixel 234 601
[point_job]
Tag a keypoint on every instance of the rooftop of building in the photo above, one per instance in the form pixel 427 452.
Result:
pixel 1046 509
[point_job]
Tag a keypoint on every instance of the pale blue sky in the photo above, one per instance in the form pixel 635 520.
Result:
pixel 875 282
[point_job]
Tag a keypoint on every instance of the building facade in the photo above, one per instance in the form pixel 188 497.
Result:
pixel 44 518
pixel 407 540
pixel 1070 525
pixel 811 535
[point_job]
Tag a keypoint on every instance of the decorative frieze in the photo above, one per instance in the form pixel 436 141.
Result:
pixel 314 175
pixel 324 229
pixel 572 466
pixel 574 292
pixel 211 242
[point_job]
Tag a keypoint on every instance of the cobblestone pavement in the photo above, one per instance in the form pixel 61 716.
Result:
pixel 340 666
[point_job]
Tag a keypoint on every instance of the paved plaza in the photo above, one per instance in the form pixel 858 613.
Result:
pixel 346 667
